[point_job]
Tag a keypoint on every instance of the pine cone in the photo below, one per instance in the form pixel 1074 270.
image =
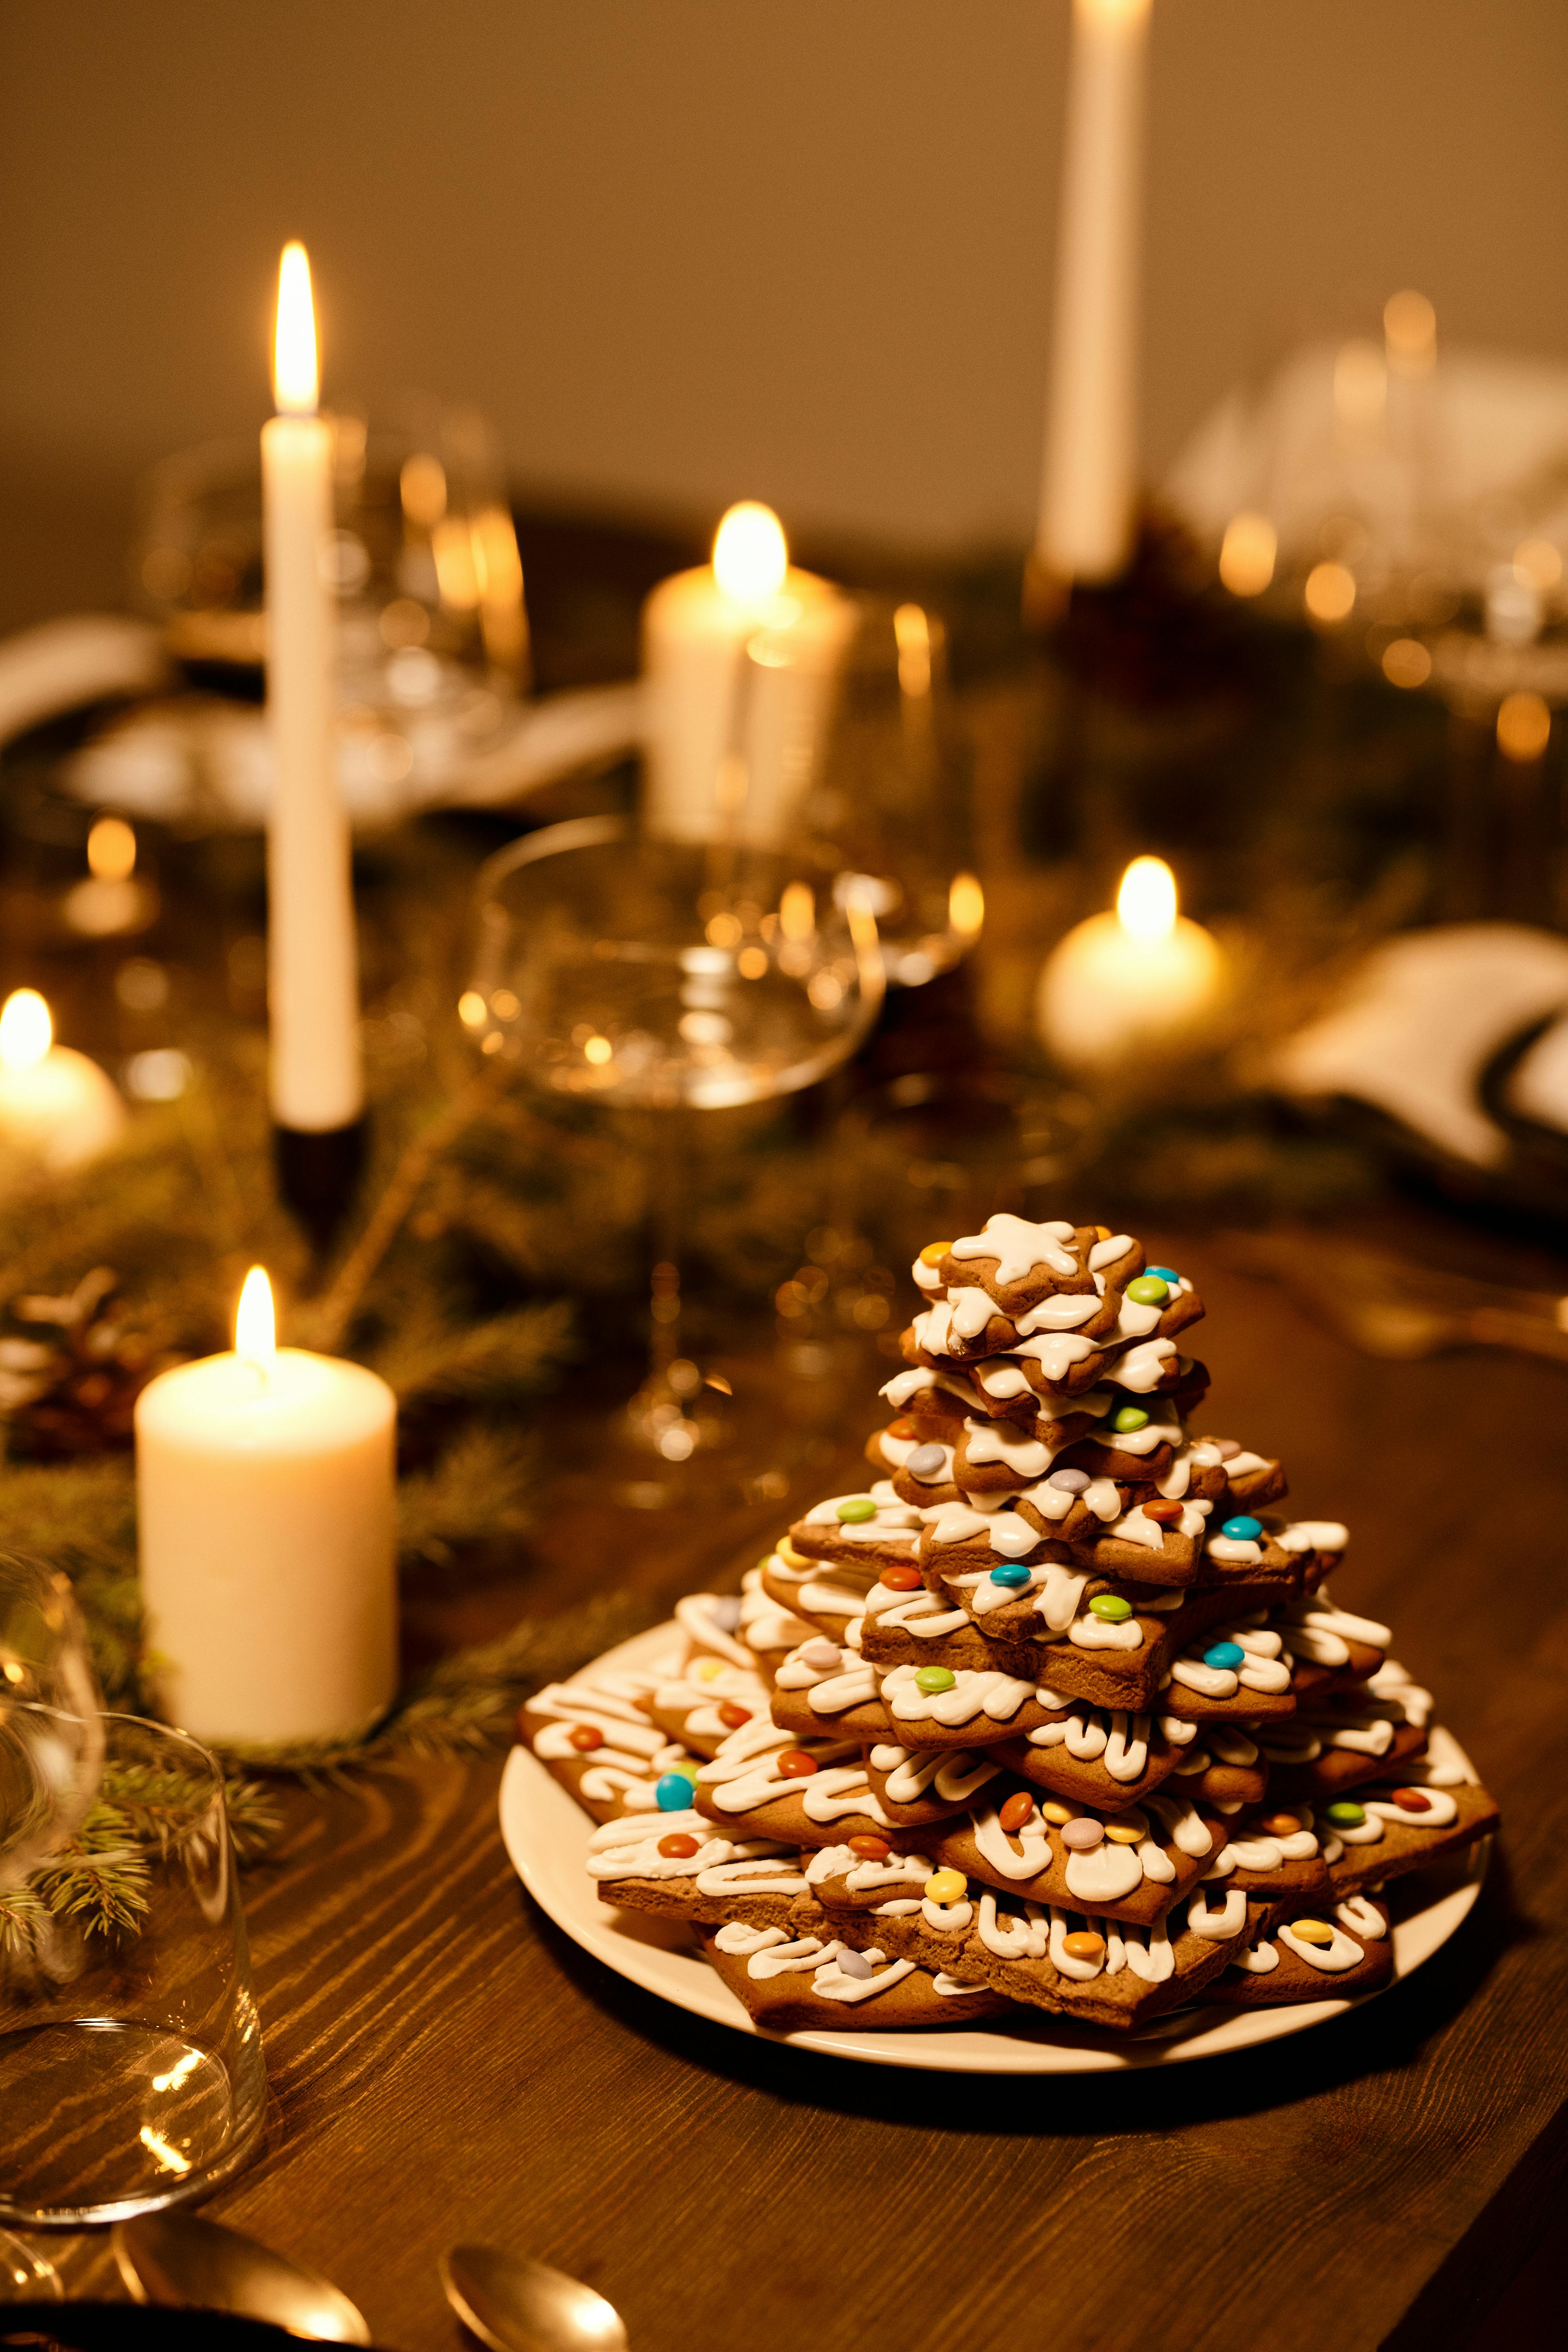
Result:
pixel 74 1390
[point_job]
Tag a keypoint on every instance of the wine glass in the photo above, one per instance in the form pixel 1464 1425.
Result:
pixel 891 791
pixel 51 1729
pixel 664 978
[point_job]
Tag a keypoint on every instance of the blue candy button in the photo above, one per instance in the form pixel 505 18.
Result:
pixel 1166 1274
pixel 1224 1653
pixel 1242 1529
pixel 1011 1573
pixel 672 1790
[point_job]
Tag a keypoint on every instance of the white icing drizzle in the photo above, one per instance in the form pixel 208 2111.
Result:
pixel 1013 1935
pixel 1442 1812
pixel 1110 1252
pixel 1063 1312
pixel 1105 1873
pixel 833 1982
pixel 1233 1551
pixel 1259 1960
pixel 946 1918
pixel 736 1938
pixel 1087 1732
pixel 695 1614
pixel 1144 1367
pixel 1183 1825
pixel 749 1874
pixel 862 1874
pixel 1153 1434
pixel 956 1774
pixel 949 1988
pixel 1228 1919
pixel 1099 1634
pixel 894 1522
pixel 975 1691
pixel 1395 1687
pixel 1313 1535
pixel 992 1843
pixel 829 1690
pixel 986 1441
pixel 1331 1958
pixel 1364 1918
pixel 1018 1247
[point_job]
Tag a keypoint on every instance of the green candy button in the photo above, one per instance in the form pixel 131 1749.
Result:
pixel 1110 1607
pixel 1131 1417
pixel 1346 1815
pixel 931 1679
pixel 856 1510
pixel 1149 1290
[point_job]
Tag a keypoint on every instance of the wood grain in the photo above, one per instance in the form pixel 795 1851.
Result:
pixel 444 2063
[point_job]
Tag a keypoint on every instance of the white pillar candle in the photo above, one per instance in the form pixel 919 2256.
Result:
pixel 1090 477
pixel 265 1500
pixel 56 1107
pixel 312 969
pixel 1132 982
pixel 706 718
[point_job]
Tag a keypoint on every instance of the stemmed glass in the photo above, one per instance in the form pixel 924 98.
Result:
pixel 663 978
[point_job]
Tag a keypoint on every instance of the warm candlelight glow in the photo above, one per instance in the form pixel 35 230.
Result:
pixel 797 910
pixel 1146 902
pixel 1538 564
pixel 751 555
pixel 295 383
pixel 1329 591
pixel 1246 555
pixel 1406 663
pixel 912 633
pixel 965 905
pixel 27 1032
pixel 1410 334
pixel 255 1325
pixel 111 850
pixel 1523 732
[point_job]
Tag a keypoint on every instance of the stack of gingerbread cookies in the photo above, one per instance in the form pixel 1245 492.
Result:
pixel 1055 1714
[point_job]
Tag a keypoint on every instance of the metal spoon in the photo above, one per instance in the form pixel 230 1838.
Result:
pixel 516 2305
pixel 176 2258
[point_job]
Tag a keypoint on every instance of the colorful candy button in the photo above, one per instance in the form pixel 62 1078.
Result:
pixel 1017 1812
pixel 853 1964
pixel 706 1670
pixel 870 1849
pixel 672 1793
pixel 902 1427
pixel 1083 1944
pixel 732 1717
pixel 931 1679
pixel 1053 1810
pixel 795 1764
pixel 1225 1656
pixel 586 1737
pixel 1131 1830
pixel 1346 1814
pixel 1412 1801
pixel 927 1462
pixel 1243 1529
pixel 934 1252
pixel 1129 1418
pixel 1149 1290
pixel 1282 1825
pixel 1313 1931
pixel 1162 1274
pixel 903 1578
pixel 1069 1481
pixel 823 1656
pixel 1163 1514
pixel 1110 1607
pixel 1012 1574
pixel 854 1510
pixel 946 1886
pixel 1082 1835
pixel 1227 1448
pixel 679 1845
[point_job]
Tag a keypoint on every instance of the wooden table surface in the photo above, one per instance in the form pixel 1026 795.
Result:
pixel 445 2064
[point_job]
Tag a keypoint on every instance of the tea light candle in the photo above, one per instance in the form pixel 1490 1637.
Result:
pixel 264 1498
pixel 313 979
pixel 56 1106
pixel 711 726
pixel 1133 981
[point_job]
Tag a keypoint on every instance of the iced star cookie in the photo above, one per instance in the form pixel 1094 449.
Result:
pixel 868 1531
pixel 823 1688
pixel 677 1865
pixel 1333 1955
pixel 1225 1767
pixel 1106 1973
pixel 1100 1757
pixel 1132 1866
pixel 790 1984
pixel 903 1902
pixel 708 1700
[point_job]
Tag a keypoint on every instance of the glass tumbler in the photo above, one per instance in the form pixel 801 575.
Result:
pixel 131 2065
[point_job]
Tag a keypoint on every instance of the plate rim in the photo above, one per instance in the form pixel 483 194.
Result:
pixel 538 1816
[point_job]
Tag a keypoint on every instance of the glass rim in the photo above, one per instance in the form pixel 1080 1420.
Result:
pixel 548 841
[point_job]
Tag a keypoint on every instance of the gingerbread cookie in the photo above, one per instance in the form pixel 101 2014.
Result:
pixel 1130 1867
pixel 1103 1757
pixel 1109 1974
pixel 916 1786
pixel 791 1984
pixel 1339 1955
pixel 594 1735
pixel 676 1865
pixel 1382 1833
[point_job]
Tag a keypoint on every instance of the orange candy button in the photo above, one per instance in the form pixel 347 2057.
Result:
pixel 1412 1801
pixel 870 1849
pixel 1280 1826
pixel 902 1427
pixel 934 1252
pixel 585 1737
pixel 797 1765
pixel 734 1717
pixel 1083 1945
pixel 679 1845
pixel 902 1580
pixel 1017 1812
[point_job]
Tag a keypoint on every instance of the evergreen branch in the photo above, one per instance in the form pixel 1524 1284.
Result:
pixel 479 1491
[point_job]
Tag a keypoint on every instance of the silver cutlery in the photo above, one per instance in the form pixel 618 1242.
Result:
pixel 177 2258
pixel 516 2305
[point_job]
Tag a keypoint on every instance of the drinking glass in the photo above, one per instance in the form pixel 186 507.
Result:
pixel 665 978
pixel 131 2065
pixel 892 795
pixel 51 1733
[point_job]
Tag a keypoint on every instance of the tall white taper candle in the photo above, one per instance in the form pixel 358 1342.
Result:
pixel 1090 477
pixel 312 976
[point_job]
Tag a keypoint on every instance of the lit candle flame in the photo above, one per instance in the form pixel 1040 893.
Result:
pixel 1146 902
pixel 111 850
pixel 965 905
pixel 255 1325
pixel 751 555
pixel 27 1032
pixel 295 383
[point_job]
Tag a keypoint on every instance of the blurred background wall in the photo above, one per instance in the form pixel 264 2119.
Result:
pixel 683 251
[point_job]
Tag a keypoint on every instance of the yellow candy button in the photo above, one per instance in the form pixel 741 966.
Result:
pixel 707 1671
pixel 1312 1931
pixel 1126 1832
pixel 1054 1810
pixel 792 1559
pixel 946 1886
pixel 934 1252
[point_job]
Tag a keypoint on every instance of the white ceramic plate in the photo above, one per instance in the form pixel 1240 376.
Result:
pixel 546 1835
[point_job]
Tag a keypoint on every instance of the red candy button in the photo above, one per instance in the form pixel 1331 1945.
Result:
pixel 1017 1812
pixel 870 1849
pixel 1412 1801
pixel 902 1580
pixel 679 1845
pixel 585 1737
pixel 1280 1826
pixel 734 1717
pixel 797 1765
pixel 1165 1515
